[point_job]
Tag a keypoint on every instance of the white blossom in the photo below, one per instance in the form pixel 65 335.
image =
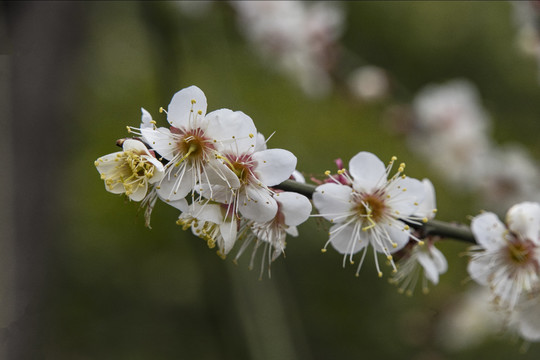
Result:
pixel 293 209
pixel 189 145
pixel 130 171
pixel 507 258
pixel 371 211
pixel 299 38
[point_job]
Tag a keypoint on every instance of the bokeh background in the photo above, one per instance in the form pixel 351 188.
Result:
pixel 81 276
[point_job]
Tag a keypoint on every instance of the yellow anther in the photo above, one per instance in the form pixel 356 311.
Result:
pixel 394 158
pixel 421 243
pixel 352 262
pixel 323 250
pixel 251 136
pixel 434 211
pixel 96 163
pixel 193 101
pixel 153 122
pixel 394 245
pixel 199 112
pixel 408 293
pixel 128 129
pixel 407 227
pixel 404 189
pixel 161 110
pixel 425 220
pixel 389 257
pixel 327 172
pixel 380 274
pixel 415 203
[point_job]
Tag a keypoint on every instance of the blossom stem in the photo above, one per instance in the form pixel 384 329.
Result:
pixel 433 227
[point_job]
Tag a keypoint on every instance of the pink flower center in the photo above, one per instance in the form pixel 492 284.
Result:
pixel 193 143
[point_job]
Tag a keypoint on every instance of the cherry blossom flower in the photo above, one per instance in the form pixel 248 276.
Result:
pixel 130 171
pixel 370 212
pixel 293 209
pixel 255 171
pixel 507 258
pixel 189 145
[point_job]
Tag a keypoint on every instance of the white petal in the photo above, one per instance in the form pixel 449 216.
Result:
pixel 228 231
pixel 294 207
pixel 180 204
pixel 173 188
pixel 257 204
pixel 529 320
pixel 439 260
pixel 117 188
pixel 207 212
pixel 524 219
pixel 488 230
pixel 135 145
pixel 140 192
pixel 107 163
pixel 274 166
pixel 217 173
pixel 397 234
pixel 405 195
pixel 260 143
pixel 478 270
pixel 292 230
pixel 234 130
pixel 430 270
pixel 298 177
pixel 368 171
pixel 161 141
pixel 426 207
pixel 185 107
pixel 146 119
pixel 333 201
pixel 343 240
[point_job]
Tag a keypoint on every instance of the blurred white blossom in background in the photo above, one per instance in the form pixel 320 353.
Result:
pixel 300 38
pixel 452 132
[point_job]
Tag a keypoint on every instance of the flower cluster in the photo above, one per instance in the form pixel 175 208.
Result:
pixel 507 260
pixel 216 169
pixel 213 167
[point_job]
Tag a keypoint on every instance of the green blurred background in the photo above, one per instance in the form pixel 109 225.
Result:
pixel 84 279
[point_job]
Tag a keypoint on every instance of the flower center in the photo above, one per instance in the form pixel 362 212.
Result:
pixel 132 172
pixel 193 144
pixel 242 166
pixel 370 206
pixel 138 166
pixel 520 252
